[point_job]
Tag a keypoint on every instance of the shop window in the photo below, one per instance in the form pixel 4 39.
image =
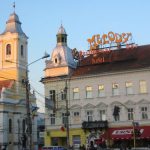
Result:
pixel 76 93
pixel 101 91
pixel 52 119
pixel 102 114
pixel 115 89
pixel 88 92
pixel 76 140
pixel 8 49
pixel 130 114
pixel 143 87
pixel 10 126
pixel 144 113
pixel 129 88
pixel 89 115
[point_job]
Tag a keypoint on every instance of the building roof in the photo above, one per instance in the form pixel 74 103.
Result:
pixel 6 84
pixel 13 25
pixel 114 60
pixel 61 30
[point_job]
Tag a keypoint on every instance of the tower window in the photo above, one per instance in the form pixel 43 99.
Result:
pixel 63 40
pixel 56 60
pixel 8 49
pixel 22 52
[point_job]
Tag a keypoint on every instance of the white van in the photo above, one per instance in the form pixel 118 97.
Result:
pixel 53 148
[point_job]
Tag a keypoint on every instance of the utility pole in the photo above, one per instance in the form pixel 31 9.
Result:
pixel 133 126
pixel 67 115
pixel 29 121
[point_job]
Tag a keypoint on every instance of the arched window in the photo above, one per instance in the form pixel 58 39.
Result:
pixel 23 125
pixel 22 51
pixel 56 60
pixel 8 49
pixel 10 125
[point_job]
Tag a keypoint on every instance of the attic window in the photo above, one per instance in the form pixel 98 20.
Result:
pixel 56 60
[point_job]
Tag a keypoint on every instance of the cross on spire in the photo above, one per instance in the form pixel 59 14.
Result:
pixel 14 6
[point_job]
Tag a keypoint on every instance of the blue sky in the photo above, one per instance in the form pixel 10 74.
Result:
pixel 81 19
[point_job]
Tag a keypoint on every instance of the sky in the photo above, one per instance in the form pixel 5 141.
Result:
pixel 41 20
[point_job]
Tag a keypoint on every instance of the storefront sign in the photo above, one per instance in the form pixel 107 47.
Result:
pixel 125 131
pixel 109 38
pixel 94 124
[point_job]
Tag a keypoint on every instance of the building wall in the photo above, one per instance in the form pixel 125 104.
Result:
pixel 124 101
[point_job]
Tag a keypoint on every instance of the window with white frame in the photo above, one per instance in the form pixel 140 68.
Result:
pixel 63 95
pixel 143 86
pixel 64 118
pixel 88 92
pixel 144 112
pixel 52 119
pixel 102 114
pixel 130 113
pixel 89 115
pixel 115 89
pixel 129 88
pixel 75 93
pixel 52 95
pixel 76 117
pixel 101 90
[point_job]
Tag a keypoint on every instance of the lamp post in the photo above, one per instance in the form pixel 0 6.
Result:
pixel 27 88
pixel 133 126
pixel 29 121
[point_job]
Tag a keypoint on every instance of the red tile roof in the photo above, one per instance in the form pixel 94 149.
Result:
pixel 115 60
pixel 6 84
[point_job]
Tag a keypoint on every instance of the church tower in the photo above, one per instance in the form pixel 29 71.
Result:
pixel 13 51
pixel 62 62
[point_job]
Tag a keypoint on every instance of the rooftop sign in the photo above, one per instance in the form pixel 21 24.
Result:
pixel 110 38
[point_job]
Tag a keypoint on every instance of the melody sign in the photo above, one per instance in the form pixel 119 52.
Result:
pixel 109 38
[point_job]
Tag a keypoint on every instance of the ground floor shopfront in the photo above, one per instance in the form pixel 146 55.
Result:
pixel 124 136
pixel 103 137
pixel 58 137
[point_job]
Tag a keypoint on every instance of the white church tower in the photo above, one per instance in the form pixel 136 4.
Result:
pixel 13 112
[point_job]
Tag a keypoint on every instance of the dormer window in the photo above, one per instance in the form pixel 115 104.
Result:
pixel 8 49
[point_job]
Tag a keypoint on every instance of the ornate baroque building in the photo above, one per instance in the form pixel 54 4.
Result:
pixel 107 95
pixel 13 113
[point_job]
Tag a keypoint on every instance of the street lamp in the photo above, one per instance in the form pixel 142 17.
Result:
pixel 29 121
pixel 26 82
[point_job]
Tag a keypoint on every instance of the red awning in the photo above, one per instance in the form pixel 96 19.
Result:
pixel 127 132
